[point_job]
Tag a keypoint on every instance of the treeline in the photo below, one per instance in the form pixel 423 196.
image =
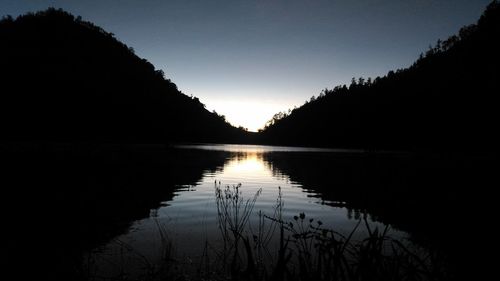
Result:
pixel 448 99
pixel 65 79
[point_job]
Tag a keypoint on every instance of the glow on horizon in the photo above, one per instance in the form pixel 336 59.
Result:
pixel 248 113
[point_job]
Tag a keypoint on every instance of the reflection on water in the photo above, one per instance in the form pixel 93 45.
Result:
pixel 243 148
pixel 189 219
pixel 64 199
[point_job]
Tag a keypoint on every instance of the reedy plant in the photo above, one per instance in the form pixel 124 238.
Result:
pixel 309 251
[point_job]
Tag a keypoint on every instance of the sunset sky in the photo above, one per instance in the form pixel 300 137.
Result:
pixel 250 59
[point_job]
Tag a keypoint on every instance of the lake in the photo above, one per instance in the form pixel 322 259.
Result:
pixel 313 181
pixel 127 211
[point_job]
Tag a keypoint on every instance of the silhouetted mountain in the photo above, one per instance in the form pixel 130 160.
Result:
pixel 66 79
pixel 448 99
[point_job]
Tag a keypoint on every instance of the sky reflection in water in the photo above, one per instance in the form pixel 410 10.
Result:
pixel 190 218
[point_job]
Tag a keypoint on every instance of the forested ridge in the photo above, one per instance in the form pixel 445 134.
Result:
pixel 448 99
pixel 66 79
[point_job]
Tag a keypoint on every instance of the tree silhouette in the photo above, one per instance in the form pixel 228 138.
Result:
pixel 66 79
pixel 447 99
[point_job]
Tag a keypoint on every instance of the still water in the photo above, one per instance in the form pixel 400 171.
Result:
pixel 187 224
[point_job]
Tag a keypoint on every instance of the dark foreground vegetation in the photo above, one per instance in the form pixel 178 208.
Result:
pixel 447 100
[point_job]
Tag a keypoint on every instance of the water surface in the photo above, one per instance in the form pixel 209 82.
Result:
pixel 189 220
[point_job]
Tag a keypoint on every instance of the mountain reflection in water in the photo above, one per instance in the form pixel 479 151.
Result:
pixel 68 199
pixel 190 219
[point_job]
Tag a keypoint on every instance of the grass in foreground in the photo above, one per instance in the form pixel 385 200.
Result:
pixel 300 249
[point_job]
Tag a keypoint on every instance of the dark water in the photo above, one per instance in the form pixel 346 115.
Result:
pixel 189 219
pixel 73 210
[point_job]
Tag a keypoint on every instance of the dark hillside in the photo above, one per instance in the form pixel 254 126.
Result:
pixel 66 79
pixel 448 99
